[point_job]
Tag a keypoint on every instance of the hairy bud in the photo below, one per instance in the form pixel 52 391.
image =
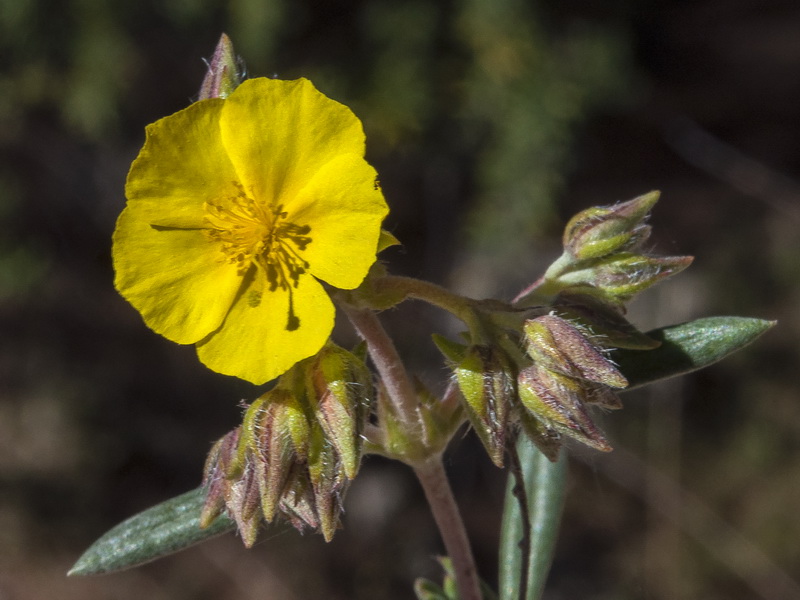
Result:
pixel 607 325
pixel 215 476
pixel 279 440
pixel 627 274
pixel 557 402
pixel 602 230
pixel 223 74
pixel 487 382
pixel 555 344
pixel 343 387
pixel 298 448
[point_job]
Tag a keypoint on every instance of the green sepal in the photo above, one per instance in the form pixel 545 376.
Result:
pixel 436 423
pixel 158 531
pixel 371 293
pixel 487 383
pixel 387 240
pixel 622 275
pixel 452 351
pixel 687 347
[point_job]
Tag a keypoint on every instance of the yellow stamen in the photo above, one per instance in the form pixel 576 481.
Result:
pixel 248 233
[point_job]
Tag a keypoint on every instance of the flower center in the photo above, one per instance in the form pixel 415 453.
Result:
pixel 248 232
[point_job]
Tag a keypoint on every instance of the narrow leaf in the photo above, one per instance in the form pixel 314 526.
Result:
pixel 163 529
pixel 544 487
pixel 688 347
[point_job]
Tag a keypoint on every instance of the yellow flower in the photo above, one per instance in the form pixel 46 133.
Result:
pixel 237 209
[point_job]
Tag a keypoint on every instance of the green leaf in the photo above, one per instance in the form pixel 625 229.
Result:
pixel 163 529
pixel 688 347
pixel 544 487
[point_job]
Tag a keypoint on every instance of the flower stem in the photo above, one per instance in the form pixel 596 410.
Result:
pixel 432 476
pixel 387 361
pixel 430 472
pixel 431 293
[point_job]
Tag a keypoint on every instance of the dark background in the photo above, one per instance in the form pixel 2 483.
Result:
pixel 491 122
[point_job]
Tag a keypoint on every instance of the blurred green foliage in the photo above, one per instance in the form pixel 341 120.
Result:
pixel 478 89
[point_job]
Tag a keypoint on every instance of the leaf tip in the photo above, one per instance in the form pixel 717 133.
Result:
pixel 87 564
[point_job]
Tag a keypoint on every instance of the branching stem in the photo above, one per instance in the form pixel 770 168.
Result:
pixel 430 472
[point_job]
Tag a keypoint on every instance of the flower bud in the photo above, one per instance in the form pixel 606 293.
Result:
pixel 486 381
pixel 603 320
pixel 343 387
pixel 215 476
pixel 602 230
pixel 329 483
pixel 234 489
pixel 280 440
pixel 555 344
pixel 297 503
pixel 223 74
pixel 624 275
pixel 557 401
pixel 243 503
pixel 297 449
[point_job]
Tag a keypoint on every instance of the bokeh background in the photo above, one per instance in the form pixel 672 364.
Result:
pixel 490 122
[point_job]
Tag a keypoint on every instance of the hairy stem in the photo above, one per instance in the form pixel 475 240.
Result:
pixel 430 472
pixel 431 293
pixel 387 361
pixel 432 476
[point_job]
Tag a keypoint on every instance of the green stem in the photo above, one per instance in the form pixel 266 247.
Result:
pixel 431 293
pixel 543 289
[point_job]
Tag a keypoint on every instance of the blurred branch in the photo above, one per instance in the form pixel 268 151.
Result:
pixel 743 173
pixel 724 542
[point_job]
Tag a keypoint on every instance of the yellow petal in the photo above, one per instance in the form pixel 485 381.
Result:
pixel 174 277
pixel 182 165
pixel 279 134
pixel 254 342
pixel 344 208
